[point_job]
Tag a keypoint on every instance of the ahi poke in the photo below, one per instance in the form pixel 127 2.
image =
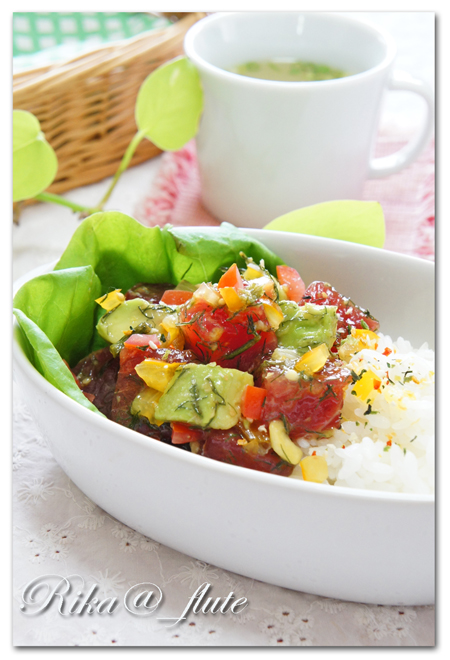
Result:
pixel 268 373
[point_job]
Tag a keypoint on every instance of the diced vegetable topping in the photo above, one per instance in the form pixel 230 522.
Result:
pixel 204 395
pixel 313 360
pixel 129 315
pixel 274 314
pixel 282 444
pixel 111 300
pixel 232 278
pixel 182 433
pixel 365 385
pixel 290 278
pixel 175 297
pixel 253 402
pixel 136 339
pixel 156 373
pixel 314 468
pixel 206 293
pixel 306 327
pixel 253 271
pixel 233 300
pixel 145 404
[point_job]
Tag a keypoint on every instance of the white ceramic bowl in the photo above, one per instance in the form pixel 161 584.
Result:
pixel 338 542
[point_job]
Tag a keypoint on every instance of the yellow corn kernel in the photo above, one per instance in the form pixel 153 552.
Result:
pixel 365 385
pixel 253 271
pixel 313 360
pixel 232 299
pixel 145 404
pixel 273 314
pixel 156 373
pixel 282 444
pixel 314 468
pixel 111 300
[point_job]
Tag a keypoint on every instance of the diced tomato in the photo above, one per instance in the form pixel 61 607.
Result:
pixel 349 315
pixel 253 402
pixel 232 278
pixel 175 297
pixel 182 433
pixel 238 340
pixel 291 278
pixel 142 340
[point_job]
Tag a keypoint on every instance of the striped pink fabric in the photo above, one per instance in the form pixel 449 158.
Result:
pixel 407 198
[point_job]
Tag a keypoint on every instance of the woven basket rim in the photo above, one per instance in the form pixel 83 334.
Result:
pixel 116 53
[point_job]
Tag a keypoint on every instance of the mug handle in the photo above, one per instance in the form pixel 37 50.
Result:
pixel 386 165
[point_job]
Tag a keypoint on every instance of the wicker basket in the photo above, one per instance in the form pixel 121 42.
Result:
pixel 86 105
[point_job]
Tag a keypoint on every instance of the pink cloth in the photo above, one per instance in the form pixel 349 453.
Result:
pixel 407 198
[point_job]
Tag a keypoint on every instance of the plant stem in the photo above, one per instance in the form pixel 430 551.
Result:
pixel 128 155
pixel 57 199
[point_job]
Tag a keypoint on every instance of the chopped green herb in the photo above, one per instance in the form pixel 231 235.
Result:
pixel 356 376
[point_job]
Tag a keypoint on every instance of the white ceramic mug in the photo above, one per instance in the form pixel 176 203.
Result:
pixel 268 147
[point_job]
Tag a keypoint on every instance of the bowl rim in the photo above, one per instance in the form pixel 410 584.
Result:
pixel 106 425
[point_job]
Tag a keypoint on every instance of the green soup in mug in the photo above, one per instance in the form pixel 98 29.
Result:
pixel 289 71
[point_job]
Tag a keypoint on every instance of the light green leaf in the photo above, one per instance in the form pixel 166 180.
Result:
pixel 34 162
pixel 26 128
pixel 346 220
pixel 169 104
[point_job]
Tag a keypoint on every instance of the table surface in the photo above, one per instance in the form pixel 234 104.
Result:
pixel 57 530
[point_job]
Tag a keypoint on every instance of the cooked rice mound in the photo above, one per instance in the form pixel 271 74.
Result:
pixel 386 441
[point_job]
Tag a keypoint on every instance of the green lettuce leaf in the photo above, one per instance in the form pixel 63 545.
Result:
pixel 121 251
pixel 196 256
pixel 62 304
pixel 48 361
pixel 57 311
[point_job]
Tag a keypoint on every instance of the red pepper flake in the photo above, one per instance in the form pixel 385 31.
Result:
pixel 389 443
pixel 387 351
pixel 343 446
pixel 376 384
pixel 313 454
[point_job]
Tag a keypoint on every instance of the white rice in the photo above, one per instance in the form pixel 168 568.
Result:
pixel 392 447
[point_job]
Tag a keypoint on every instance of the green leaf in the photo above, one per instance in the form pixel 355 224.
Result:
pixel 123 252
pixel 197 256
pixel 34 162
pixel 169 104
pixel 346 220
pixel 120 250
pixel 48 361
pixel 62 304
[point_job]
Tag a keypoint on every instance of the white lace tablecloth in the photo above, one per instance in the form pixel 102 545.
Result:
pixel 58 531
